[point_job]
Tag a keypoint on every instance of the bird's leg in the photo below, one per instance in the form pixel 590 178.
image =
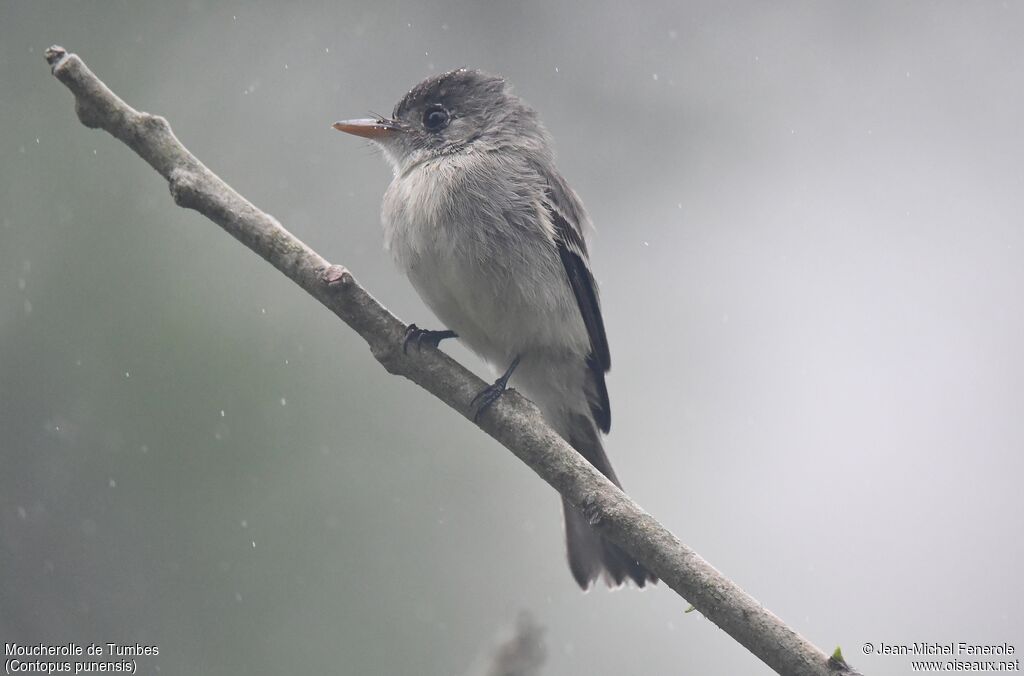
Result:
pixel 490 394
pixel 418 336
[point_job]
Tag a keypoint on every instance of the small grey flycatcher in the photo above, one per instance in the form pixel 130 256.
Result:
pixel 493 240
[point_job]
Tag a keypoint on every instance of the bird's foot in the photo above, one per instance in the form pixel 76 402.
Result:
pixel 490 394
pixel 416 336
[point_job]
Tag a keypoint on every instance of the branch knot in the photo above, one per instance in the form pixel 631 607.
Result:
pixel 55 55
pixel 185 186
pixel 336 276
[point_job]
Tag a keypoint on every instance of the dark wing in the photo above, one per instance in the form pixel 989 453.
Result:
pixel 567 216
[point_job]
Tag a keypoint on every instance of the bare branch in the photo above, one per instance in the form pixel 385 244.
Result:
pixel 521 651
pixel 523 654
pixel 513 421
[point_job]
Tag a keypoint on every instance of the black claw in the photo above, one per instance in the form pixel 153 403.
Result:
pixel 490 394
pixel 487 396
pixel 418 336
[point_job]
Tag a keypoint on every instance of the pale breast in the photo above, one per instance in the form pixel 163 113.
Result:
pixel 481 257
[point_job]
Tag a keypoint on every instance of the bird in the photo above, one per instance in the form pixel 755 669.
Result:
pixel 494 241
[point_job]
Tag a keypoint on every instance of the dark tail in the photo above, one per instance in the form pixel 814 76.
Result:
pixel 591 555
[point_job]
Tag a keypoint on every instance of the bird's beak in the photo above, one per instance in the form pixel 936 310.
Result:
pixel 371 128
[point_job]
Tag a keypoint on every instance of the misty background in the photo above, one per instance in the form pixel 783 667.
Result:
pixel 809 243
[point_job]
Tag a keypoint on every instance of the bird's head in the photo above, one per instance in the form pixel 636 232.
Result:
pixel 460 111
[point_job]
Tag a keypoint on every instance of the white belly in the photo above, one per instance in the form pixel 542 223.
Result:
pixel 501 288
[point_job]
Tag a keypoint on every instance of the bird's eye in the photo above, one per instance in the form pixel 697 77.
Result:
pixel 436 118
